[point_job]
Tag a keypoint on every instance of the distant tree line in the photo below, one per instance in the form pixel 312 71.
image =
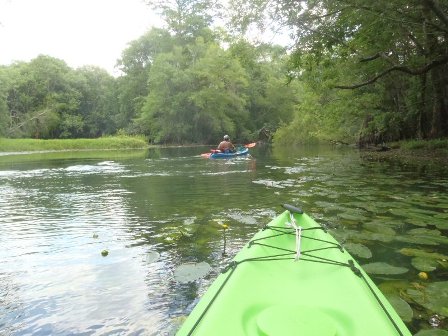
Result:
pixel 359 71
pixel 187 83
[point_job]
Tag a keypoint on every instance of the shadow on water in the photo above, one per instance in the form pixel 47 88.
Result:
pixel 156 210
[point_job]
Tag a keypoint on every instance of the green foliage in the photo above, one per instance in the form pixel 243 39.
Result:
pixel 178 85
pixel 430 144
pixel 45 99
pixel 4 113
pixel 188 19
pixel 99 104
pixel 195 100
pixel 394 52
pixel 324 113
pixel 360 71
pixel 135 63
pixel 271 100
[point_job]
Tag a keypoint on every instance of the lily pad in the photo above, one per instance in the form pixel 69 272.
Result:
pixel 422 219
pixel 399 212
pixel 385 238
pixel 152 256
pixel 443 215
pixel 402 308
pixel 440 223
pixel 432 332
pixel 358 250
pixel 379 228
pixel 368 206
pixel 352 216
pixel 386 221
pixel 394 287
pixel 383 268
pixel 423 260
pixel 424 264
pixel 433 297
pixel 191 271
pixel 423 236
pixel 422 253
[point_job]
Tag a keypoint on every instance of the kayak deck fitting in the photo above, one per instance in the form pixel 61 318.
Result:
pixel 293 278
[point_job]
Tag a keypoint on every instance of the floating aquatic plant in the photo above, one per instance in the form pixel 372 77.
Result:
pixel 379 228
pixel 433 297
pixel 422 253
pixel 432 332
pixel 423 264
pixel 383 268
pixel 191 271
pixel 358 250
pixel 423 236
pixel 152 256
pixel 402 308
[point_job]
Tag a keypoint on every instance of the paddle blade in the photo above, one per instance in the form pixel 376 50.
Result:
pixel 250 145
pixel 206 155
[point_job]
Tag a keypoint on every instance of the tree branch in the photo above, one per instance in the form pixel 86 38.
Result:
pixel 435 7
pixel 371 58
pixel 401 68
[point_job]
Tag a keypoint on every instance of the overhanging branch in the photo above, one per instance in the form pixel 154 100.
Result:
pixel 435 7
pixel 400 68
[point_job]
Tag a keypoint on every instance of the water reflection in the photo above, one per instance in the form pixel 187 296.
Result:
pixel 58 214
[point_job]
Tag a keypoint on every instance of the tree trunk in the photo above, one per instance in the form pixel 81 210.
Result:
pixel 422 108
pixel 439 112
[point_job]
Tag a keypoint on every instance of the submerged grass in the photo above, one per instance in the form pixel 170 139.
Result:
pixel 113 142
pixel 32 156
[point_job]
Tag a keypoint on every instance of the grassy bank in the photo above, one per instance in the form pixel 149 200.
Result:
pixel 29 145
pixel 436 144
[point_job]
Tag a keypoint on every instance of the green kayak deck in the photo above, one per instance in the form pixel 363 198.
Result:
pixel 293 281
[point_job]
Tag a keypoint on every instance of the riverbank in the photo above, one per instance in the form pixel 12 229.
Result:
pixel 415 151
pixel 113 142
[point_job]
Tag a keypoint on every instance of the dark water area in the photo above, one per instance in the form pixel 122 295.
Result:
pixel 156 210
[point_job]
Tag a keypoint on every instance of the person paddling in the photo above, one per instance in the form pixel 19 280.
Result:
pixel 226 146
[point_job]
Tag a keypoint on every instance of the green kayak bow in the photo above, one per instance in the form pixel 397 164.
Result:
pixel 293 278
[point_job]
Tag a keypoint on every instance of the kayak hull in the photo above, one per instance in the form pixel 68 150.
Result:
pixel 265 291
pixel 240 152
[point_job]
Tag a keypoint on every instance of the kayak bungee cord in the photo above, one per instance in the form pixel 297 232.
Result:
pixel 233 264
pixel 298 230
pixel 306 255
pixel 381 303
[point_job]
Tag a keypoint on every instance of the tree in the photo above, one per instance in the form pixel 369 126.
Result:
pixel 38 94
pixel 188 19
pixel 135 63
pixel 98 104
pixel 219 96
pixel 47 99
pixel 195 101
pixel 4 113
pixel 271 100
pixel 398 47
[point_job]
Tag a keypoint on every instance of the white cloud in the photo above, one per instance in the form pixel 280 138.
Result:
pixel 81 32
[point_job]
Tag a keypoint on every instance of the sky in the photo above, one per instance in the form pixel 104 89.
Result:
pixel 80 32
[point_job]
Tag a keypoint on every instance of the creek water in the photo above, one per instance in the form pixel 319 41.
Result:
pixel 157 209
